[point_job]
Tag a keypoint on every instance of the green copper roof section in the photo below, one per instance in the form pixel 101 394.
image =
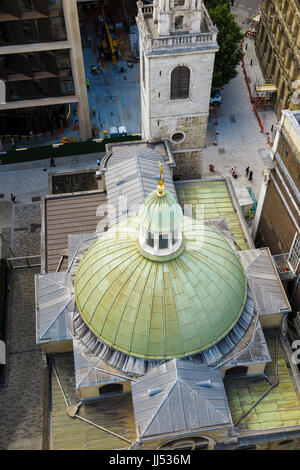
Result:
pixel 160 214
pixel 280 407
pixel 160 310
pixel 215 198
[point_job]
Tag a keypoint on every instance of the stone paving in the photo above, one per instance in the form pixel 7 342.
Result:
pixel 21 401
pixel 234 135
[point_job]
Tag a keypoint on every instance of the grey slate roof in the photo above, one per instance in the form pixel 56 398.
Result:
pixel 129 182
pixel 257 352
pixel 264 281
pixel 54 306
pixel 179 396
pixel 91 370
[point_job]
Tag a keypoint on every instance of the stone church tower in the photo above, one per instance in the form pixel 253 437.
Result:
pixel 177 51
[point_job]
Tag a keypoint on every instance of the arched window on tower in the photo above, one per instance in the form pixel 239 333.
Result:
pixel 180 83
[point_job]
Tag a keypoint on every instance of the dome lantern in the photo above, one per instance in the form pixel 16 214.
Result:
pixel 160 220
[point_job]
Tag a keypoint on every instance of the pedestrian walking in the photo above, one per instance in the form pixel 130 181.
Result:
pixel 247 171
pixel 52 163
pixel 232 3
pixel 250 176
pixel 233 172
pixel 13 198
pixel 211 167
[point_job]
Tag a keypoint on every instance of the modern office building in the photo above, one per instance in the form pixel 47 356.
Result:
pixel 41 64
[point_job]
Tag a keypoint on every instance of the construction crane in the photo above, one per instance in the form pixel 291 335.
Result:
pixel 112 42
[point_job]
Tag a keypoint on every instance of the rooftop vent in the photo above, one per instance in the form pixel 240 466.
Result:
pixel 154 391
pixel 204 383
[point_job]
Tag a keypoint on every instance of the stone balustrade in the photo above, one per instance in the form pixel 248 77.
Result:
pixel 175 41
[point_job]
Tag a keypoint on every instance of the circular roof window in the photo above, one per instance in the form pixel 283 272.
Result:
pixel 177 137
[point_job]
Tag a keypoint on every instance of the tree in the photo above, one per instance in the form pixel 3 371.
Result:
pixel 229 36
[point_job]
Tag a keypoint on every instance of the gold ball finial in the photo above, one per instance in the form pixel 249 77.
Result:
pixel 161 186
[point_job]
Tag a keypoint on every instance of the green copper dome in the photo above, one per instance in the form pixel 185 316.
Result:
pixel 162 308
pixel 160 213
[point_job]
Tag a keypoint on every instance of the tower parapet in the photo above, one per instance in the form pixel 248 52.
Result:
pixel 178 42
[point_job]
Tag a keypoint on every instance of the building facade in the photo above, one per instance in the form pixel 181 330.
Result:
pixel 278 213
pixel 277 48
pixel 177 50
pixel 169 329
pixel 41 64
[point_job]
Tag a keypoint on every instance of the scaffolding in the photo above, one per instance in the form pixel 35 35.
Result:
pixel 265 94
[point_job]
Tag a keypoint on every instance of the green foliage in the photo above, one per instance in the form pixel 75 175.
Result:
pixel 214 3
pixel 2 296
pixel 229 36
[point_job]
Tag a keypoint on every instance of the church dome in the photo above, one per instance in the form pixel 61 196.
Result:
pixel 160 307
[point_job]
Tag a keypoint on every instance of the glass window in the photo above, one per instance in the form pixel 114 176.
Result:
pixel 180 83
pixel 178 22
pixel 30 31
pixel 66 85
pixel 58 29
pixel 163 241
pixel 26 5
pixel 62 59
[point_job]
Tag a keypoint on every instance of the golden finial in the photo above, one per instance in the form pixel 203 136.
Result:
pixel 161 186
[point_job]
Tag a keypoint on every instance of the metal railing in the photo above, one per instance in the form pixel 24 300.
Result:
pixel 20 262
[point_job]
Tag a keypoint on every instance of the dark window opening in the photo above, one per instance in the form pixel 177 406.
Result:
pixel 180 83
pixel 178 137
pixel 236 371
pixel 250 447
pixel 178 22
pixel 163 241
pixel 283 443
pixel 111 388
